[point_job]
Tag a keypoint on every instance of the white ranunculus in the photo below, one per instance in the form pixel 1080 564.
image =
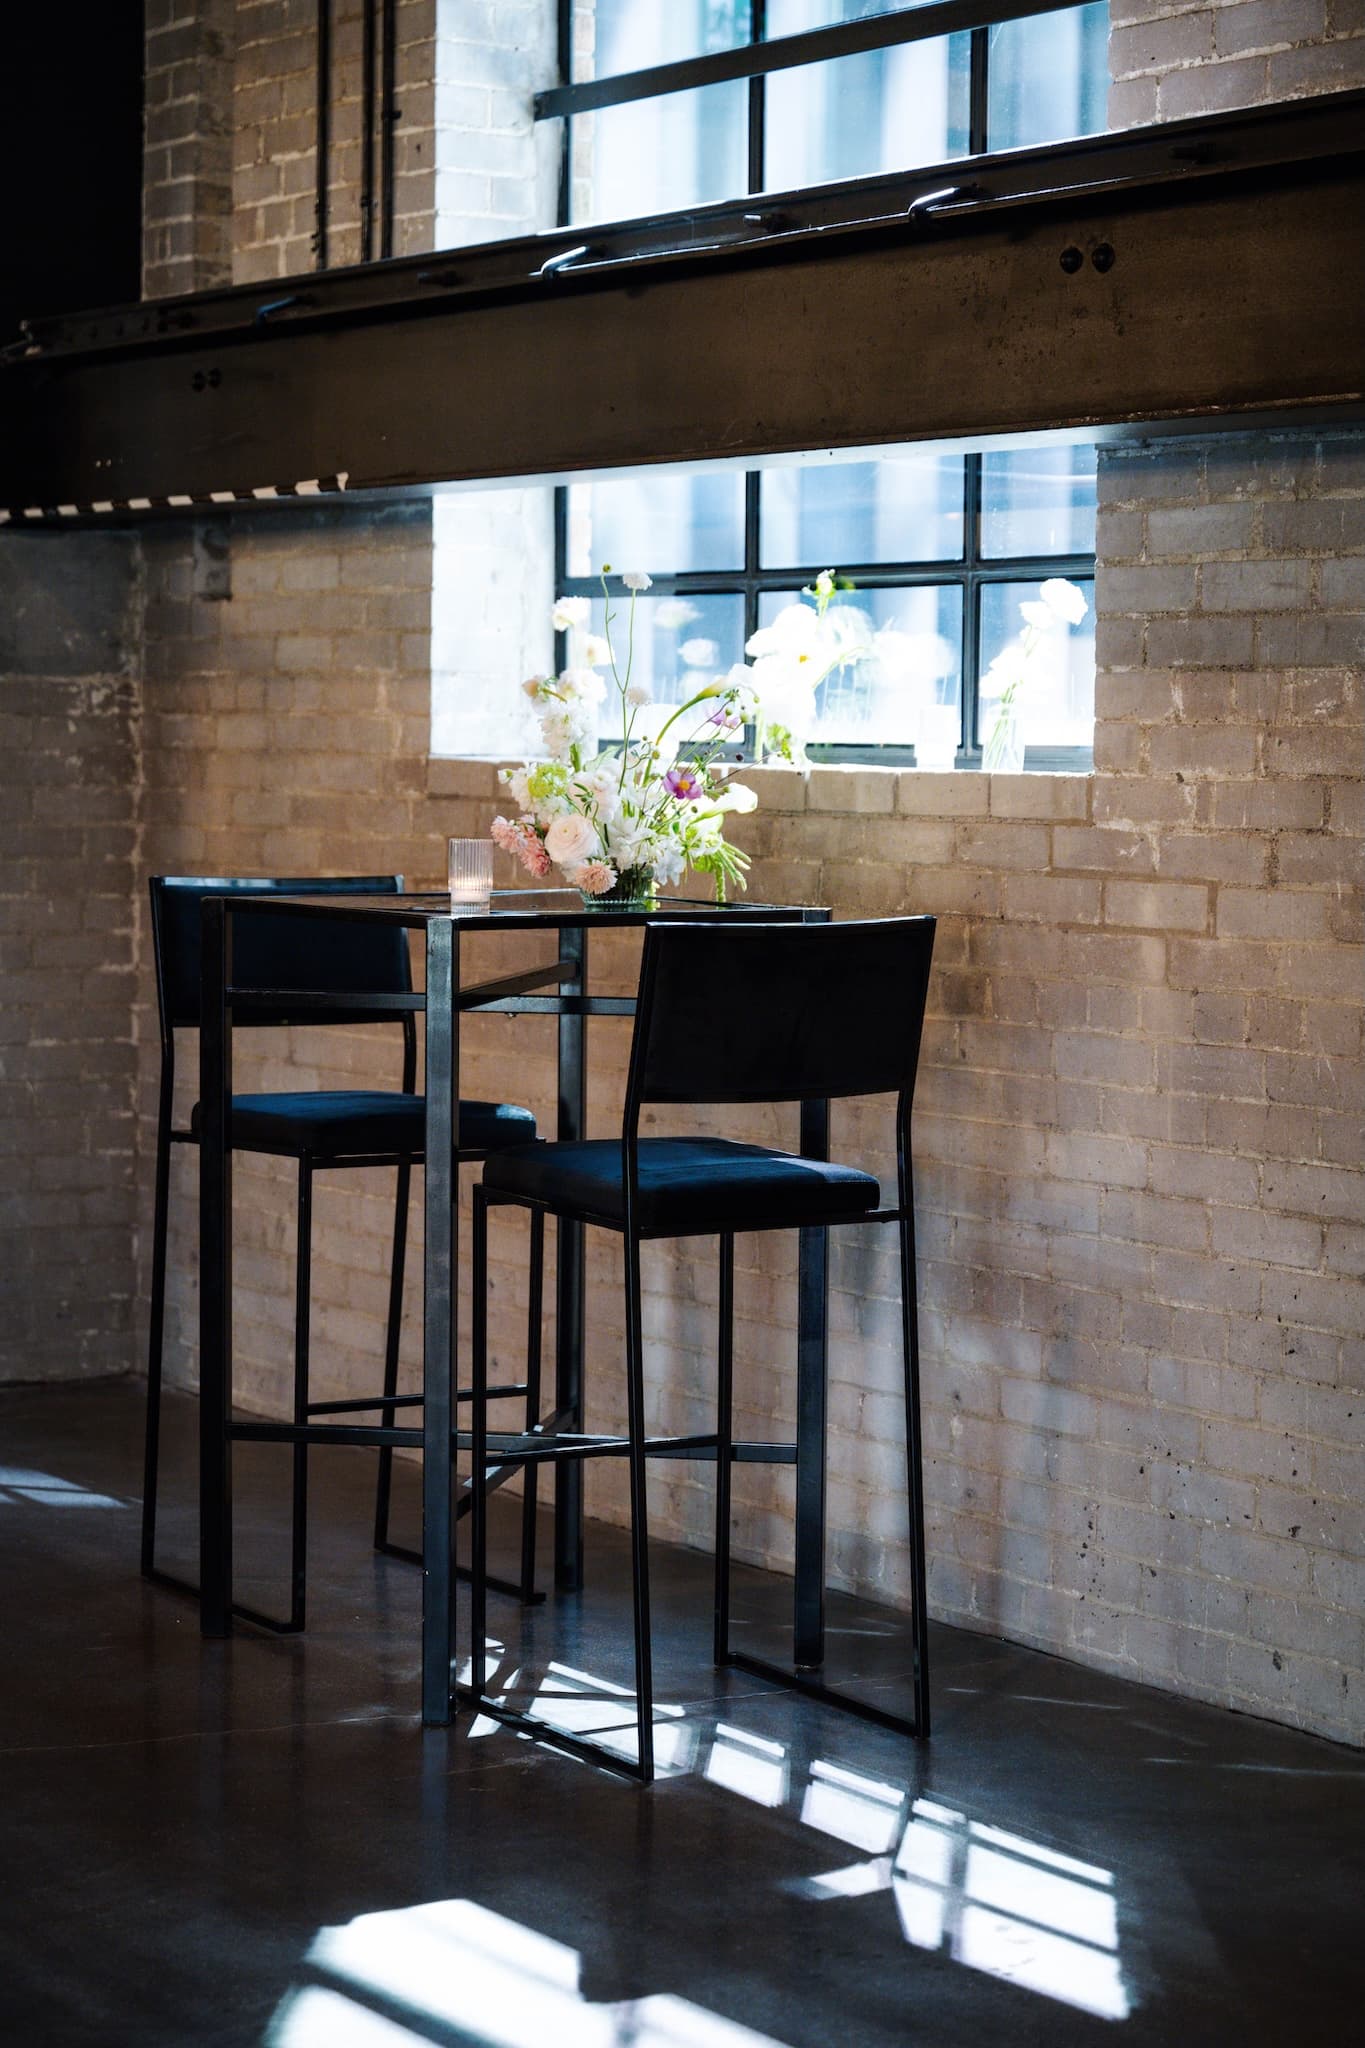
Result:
pixel 1064 599
pixel 672 613
pixel 571 840
pixel 596 650
pixel 636 579
pixel 1040 616
pixel 570 612
pixel 700 653
pixel 582 686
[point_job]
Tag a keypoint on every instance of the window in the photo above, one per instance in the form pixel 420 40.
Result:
pixel 697 101
pixel 942 549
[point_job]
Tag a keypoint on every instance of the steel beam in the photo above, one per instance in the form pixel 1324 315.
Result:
pixel 1223 297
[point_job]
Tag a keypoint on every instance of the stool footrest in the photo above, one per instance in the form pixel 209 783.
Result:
pixel 799 1680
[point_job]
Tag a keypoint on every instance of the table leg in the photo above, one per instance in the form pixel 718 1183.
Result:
pixel 571 1277
pixel 442 1070
pixel 812 1364
pixel 215 1275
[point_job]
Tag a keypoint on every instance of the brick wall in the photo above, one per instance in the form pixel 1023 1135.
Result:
pixel 69 630
pixel 1173 58
pixel 187 169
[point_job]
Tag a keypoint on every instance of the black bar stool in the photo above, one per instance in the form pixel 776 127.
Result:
pixel 321 1129
pixel 748 1014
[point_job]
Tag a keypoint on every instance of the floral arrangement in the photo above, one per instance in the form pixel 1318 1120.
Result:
pixel 616 821
pixel 1058 604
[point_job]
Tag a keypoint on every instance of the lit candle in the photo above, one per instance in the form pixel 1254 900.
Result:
pixel 470 869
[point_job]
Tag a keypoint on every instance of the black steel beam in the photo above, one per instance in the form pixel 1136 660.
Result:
pixel 1222 283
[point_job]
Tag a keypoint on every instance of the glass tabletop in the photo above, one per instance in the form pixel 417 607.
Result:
pixel 517 910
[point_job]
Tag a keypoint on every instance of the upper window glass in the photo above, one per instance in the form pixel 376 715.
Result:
pixel 881 110
pixel 632 35
pixel 689 520
pixel 1038 501
pixel 1048 77
pixel 903 508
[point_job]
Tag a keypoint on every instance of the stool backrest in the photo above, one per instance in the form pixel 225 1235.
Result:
pixel 320 954
pixel 780 1012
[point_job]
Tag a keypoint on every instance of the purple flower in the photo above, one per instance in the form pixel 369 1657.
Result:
pixel 726 717
pixel 684 783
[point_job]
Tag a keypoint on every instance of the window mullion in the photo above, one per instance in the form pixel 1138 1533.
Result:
pixel 978 112
pixel 969 742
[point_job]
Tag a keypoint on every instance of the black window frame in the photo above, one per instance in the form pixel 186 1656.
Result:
pixel 970 571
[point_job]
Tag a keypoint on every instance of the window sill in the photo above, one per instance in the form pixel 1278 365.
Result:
pixel 861 790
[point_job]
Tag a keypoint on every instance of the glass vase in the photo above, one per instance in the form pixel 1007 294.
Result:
pixel 1004 749
pixel 634 889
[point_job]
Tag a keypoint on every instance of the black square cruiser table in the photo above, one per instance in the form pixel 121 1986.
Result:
pixel 557 911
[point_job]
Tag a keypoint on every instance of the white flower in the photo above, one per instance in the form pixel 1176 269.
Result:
pixel 534 686
pixel 669 861
pixel 639 693
pixel 824 583
pixel 672 613
pixel 636 579
pixel 737 796
pixel 566 727
pixel 571 840
pixel 628 842
pixel 596 650
pixel 700 653
pixel 582 686
pixel 570 612
pixel 1064 599
pixel 1040 616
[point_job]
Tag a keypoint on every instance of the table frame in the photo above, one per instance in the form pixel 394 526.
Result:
pixel 442 1004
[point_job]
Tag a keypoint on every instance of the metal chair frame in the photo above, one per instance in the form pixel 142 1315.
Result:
pixel 548 1445
pixel 310 1161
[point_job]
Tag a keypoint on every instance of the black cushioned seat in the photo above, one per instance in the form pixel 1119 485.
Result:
pixel 688 1186
pixel 357 1121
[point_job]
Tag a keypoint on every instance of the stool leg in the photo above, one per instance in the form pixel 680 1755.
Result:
pixel 156 1336
pixel 536 1296
pixel 303 1272
pixel 639 1509
pixel 384 1486
pixel 725 1382
pixel 478 1449
pixel 914 1458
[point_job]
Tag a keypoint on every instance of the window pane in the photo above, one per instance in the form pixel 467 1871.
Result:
pixel 902 508
pixel 629 35
pixel 666 523
pixel 906 676
pixel 1055 698
pixel 681 643
pixel 657 156
pixel 790 17
pixel 1048 77
pixel 1040 501
pixel 885 110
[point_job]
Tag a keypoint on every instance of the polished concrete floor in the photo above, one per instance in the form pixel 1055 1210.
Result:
pixel 256 1842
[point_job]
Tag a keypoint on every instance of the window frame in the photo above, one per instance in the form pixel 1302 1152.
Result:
pixel 969 571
